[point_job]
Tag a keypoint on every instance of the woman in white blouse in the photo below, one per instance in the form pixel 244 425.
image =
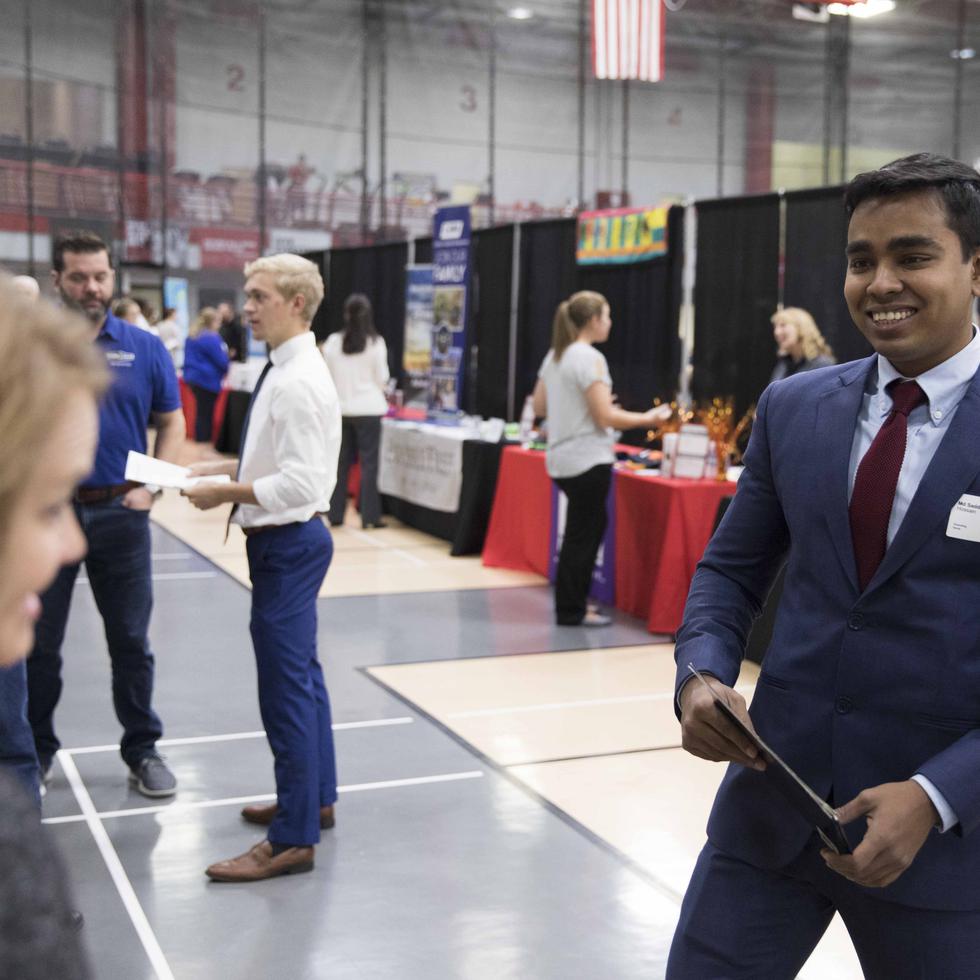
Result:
pixel 358 361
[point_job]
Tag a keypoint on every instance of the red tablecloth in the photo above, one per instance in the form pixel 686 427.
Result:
pixel 521 517
pixel 662 529
pixel 189 404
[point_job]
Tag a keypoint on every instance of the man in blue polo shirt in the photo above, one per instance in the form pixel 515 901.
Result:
pixel 114 515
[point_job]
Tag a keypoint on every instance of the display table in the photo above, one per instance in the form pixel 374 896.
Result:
pixel 662 528
pixel 440 480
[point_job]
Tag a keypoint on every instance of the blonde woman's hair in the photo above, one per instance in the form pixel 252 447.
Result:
pixel 126 308
pixel 812 341
pixel 46 353
pixel 571 318
pixel 204 320
pixel 293 276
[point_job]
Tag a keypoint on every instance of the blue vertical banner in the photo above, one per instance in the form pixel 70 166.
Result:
pixel 417 356
pixel 450 282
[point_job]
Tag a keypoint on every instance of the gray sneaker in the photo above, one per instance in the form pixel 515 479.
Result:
pixel 152 777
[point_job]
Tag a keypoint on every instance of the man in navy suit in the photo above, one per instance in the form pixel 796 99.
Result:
pixel 864 478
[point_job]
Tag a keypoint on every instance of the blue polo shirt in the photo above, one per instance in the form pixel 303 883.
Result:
pixel 143 382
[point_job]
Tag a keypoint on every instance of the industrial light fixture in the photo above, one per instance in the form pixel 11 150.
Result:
pixel 962 54
pixel 864 9
pixel 520 13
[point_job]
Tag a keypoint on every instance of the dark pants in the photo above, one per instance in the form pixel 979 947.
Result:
pixel 17 752
pixel 743 923
pixel 585 524
pixel 361 437
pixel 287 566
pixel 118 567
pixel 204 414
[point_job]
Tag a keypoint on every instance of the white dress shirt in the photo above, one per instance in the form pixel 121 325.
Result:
pixel 293 439
pixel 360 378
pixel 944 385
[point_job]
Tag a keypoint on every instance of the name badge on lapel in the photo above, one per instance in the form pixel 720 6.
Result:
pixel 964 519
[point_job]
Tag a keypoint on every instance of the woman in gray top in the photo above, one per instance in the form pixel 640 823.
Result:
pixel 801 344
pixel 574 392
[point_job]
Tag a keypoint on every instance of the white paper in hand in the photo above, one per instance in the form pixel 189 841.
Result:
pixel 145 469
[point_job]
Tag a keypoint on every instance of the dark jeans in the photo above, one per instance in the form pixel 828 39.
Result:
pixel 118 566
pixel 361 437
pixel 204 415
pixel 17 753
pixel 585 524
pixel 287 566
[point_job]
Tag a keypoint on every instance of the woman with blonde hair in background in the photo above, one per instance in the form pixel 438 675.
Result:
pixel 205 366
pixel 801 344
pixel 50 377
pixel 574 391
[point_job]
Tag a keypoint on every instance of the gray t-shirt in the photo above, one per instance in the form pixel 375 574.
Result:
pixel 575 442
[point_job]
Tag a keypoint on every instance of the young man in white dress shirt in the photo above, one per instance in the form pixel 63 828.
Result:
pixel 280 485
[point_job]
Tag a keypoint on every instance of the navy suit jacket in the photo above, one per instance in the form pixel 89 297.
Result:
pixel 856 689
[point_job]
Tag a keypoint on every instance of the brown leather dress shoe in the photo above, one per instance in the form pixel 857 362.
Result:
pixel 259 864
pixel 264 815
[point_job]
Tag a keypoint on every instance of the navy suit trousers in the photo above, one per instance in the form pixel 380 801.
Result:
pixel 287 566
pixel 17 752
pixel 739 922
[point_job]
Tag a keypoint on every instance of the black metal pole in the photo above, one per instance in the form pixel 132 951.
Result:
pixel 122 17
pixel 580 202
pixel 828 98
pixel 492 122
pixel 845 67
pixel 958 80
pixel 262 161
pixel 383 117
pixel 365 82
pixel 624 192
pixel 29 129
pixel 160 80
pixel 722 99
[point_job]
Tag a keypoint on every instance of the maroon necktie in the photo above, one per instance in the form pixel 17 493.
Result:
pixel 877 477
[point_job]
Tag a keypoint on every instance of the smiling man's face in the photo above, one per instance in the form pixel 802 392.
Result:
pixel 908 287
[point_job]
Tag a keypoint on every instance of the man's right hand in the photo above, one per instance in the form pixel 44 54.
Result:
pixel 708 734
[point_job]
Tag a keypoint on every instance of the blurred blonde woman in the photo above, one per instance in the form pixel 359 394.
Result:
pixel 50 377
pixel 801 346
pixel 574 392
pixel 205 366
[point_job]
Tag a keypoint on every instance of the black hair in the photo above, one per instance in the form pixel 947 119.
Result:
pixel 358 323
pixel 78 240
pixel 957 184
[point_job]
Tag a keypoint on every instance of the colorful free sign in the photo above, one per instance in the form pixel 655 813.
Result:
pixel 621 235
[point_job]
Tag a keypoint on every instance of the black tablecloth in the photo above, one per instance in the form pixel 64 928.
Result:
pixel 230 434
pixel 467 528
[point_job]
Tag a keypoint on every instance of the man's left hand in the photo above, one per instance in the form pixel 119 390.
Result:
pixel 205 496
pixel 900 816
pixel 139 498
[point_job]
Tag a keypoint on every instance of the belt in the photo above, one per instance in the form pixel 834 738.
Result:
pixel 249 531
pixel 102 495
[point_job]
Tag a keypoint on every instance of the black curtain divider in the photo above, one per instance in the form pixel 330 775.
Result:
pixel 735 294
pixel 548 275
pixel 423 251
pixel 321 261
pixel 488 322
pixel 816 234
pixel 378 271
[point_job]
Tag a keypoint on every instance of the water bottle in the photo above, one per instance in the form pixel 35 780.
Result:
pixel 526 430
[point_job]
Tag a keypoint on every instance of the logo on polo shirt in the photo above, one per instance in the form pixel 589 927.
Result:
pixel 120 358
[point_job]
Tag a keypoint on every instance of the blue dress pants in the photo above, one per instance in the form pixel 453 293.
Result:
pixel 118 566
pixel 17 753
pixel 739 922
pixel 287 565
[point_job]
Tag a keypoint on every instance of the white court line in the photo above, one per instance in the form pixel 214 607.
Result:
pixel 409 556
pixel 116 870
pixel 401 552
pixel 174 556
pixel 162 576
pixel 562 705
pixel 236 736
pixel 353 532
pixel 142 811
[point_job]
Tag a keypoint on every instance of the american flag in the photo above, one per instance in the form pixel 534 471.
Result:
pixel 628 39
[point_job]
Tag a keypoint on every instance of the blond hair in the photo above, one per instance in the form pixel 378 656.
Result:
pixel 46 353
pixel 204 320
pixel 571 317
pixel 293 276
pixel 812 342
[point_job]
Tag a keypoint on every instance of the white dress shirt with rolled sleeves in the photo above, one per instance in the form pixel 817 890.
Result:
pixel 293 439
